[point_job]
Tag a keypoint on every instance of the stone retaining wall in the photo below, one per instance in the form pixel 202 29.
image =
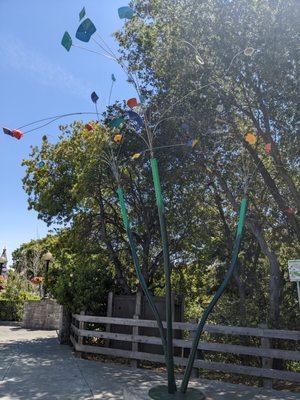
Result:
pixel 43 314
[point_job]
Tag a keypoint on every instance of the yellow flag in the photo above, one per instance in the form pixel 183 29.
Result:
pixel 118 137
pixel 136 156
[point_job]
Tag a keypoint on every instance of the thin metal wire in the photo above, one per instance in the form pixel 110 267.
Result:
pixel 109 49
pixel 110 92
pixel 98 117
pixel 91 51
pixel 120 62
pixel 108 55
pixel 56 117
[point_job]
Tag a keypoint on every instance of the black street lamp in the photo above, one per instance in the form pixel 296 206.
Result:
pixel 47 258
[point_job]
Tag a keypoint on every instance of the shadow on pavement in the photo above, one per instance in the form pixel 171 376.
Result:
pixel 35 367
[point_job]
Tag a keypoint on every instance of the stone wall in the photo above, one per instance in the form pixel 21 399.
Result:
pixel 43 314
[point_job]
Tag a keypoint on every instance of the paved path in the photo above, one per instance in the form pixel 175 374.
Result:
pixel 34 366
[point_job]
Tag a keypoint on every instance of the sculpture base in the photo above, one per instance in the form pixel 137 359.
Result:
pixel 161 393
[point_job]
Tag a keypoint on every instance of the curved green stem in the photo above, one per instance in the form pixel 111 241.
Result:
pixel 167 269
pixel 139 274
pixel 208 310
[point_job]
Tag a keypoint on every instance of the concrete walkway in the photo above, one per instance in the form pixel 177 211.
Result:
pixel 34 366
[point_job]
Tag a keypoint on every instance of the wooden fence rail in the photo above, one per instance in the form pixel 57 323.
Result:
pixel 264 352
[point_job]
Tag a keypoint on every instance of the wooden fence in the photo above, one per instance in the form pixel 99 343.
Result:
pixel 264 352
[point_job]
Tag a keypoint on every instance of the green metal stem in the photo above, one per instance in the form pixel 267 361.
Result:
pixel 167 269
pixel 218 294
pixel 138 270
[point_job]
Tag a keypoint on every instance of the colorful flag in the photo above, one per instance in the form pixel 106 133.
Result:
pixel 268 147
pixel 17 134
pixel 133 116
pixel 116 122
pixel 94 97
pixel 250 138
pixel 66 41
pixel 136 156
pixel 132 102
pixel 249 51
pixel 125 12
pixel 89 127
pixel 118 138
pixel 82 14
pixel 8 132
pixel 85 30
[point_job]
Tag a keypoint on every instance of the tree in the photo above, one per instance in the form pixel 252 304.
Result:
pixel 76 279
pixel 212 66
pixel 27 259
pixel 191 58
pixel 75 188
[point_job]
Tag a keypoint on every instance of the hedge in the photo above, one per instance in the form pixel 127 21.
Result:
pixel 11 310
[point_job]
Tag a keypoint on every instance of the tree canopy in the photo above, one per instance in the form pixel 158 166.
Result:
pixel 216 72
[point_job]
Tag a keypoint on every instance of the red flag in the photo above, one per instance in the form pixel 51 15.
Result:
pixel 17 134
pixel 268 147
pixel 89 127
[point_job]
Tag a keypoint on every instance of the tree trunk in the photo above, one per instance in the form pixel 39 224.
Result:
pixel 276 279
pixel 122 282
pixel 269 181
pixel 236 274
pixel 242 296
pixel 64 326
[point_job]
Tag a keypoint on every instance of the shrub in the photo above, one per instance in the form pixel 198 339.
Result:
pixel 17 290
pixel 11 310
pixel 81 287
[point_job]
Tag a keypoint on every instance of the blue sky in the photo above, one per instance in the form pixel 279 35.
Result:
pixel 39 78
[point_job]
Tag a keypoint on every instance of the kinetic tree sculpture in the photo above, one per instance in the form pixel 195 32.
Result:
pixel 139 115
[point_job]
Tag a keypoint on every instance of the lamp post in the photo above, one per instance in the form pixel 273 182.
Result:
pixel 3 261
pixel 47 258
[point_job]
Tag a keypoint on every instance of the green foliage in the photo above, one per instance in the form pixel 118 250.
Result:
pixel 82 284
pixel 202 189
pixel 76 189
pixel 164 48
pixel 17 290
pixel 11 310
pixel 27 258
pixel 76 279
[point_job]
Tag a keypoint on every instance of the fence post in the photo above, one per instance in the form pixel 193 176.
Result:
pixel 135 329
pixel 109 313
pixel 195 371
pixel 182 312
pixel 81 325
pixel 173 306
pixel 266 362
